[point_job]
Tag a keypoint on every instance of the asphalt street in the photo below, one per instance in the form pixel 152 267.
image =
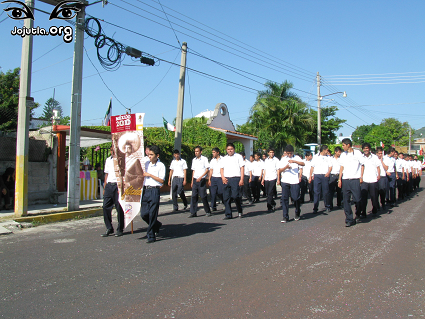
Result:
pixel 207 267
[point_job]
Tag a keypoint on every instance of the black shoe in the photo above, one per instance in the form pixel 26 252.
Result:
pixel 150 241
pixel 363 216
pixel 315 212
pixel 348 224
pixel 328 210
pixel 191 216
pixel 119 234
pixel 227 217
pixel 185 207
pixel 208 214
pixel 108 232
pixel 214 209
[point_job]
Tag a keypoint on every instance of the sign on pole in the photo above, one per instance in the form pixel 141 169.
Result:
pixel 129 161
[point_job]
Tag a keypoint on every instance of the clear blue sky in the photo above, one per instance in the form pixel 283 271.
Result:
pixel 287 40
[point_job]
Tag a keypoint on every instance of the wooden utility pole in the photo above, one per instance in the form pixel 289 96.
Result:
pixel 180 100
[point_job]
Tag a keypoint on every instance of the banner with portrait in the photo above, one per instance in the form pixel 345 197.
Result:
pixel 129 161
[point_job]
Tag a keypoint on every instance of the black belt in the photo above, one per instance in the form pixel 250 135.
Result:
pixel 112 183
pixel 149 187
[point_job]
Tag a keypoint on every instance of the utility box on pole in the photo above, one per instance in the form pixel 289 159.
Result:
pixel 180 100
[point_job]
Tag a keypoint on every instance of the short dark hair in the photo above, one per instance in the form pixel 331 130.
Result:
pixel 337 149
pixel 390 149
pixel 155 149
pixel 366 145
pixel 258 154
pixel 289 148
pixel 379 149
pixel 242 153
pixel 308 153
pixel 230 144
pixel 270 149
pixel 176 152
pixel 347 141
pixel 216 149
pixel 198 147
pixel 323 148
pixel 401 154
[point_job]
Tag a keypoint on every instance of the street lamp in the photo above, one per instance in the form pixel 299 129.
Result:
pixel 319 99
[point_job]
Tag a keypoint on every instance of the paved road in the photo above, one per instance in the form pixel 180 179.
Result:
pixel 253 267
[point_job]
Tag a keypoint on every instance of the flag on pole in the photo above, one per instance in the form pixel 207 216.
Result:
pixel 168 126
pixel 382 144
pixel 107 119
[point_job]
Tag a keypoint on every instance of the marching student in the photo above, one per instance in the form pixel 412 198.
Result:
pixel 263 188
pixel 232 174
pixel 154 178
pixel 321 166
pixel 399 166
pixel 333 180
pixel 110 199
pixel 271 165
pixel 383 181
pixel 418 172
pixel 215 183
pixel 177 179
pixel 257 175
pixel 289 167
pixel 305 183
pixel 200 168
pixel 246 189
pixel 369 181
pixel 391 176
pixel 409 165
pixel 349 179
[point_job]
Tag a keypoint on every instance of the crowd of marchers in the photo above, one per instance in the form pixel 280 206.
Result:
pixel 353 176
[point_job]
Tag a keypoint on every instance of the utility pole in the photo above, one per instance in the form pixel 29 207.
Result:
pixel 73 198
pixel 24 107
pixel 180 100
pixel 319 120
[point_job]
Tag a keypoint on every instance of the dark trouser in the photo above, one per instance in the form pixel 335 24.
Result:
pixel 391 188
pixel 333 187
pixel 256 187
pixel 231 191
pixel 370 189
pixel 382 189
pixel 110 199
pixel 177 189
pixel 321 188
pixel 405 186
pixel 292 190
pixel 270 187
pixel 6 196
pixel 149 211
pixel 246 188
pixel 400 186
pixel 216 189
pixel 304 186
pixel 351 187
pixel 199 188
pixel 410 184
pixel 417 181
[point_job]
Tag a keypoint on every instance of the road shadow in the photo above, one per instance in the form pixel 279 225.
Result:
pixel 171 231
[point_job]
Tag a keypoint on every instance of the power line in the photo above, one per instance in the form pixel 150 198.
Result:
pixel 170 23
pixel 48 52
pixel 330 76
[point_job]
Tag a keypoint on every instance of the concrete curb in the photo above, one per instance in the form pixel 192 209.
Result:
pixel 56 217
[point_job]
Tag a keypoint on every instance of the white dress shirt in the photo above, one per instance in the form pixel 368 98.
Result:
pixel 110 170
pixel 336 166
pixel 257 167
pixel 178 167
pixel 306 168
pixel 399 165
pixel 215 165
pixel 271 165
pixel 199 165
pixel 247 169
pixel 381 167
pixel 158 170
pixel 231 165
pixel 390 162
pixel 371 164
pixel 290 175
pixel 352 163
pixel 321 164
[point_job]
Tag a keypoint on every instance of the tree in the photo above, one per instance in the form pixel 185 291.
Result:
pixel 329 123
pixel 278 117
pixel 359 134
pixel 399 132
pixel 48 108
pixel 378 134
pixel 9 100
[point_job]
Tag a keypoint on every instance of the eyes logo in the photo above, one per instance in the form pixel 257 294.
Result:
pixel 65 12
pixel 17 12
pixel 59 12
